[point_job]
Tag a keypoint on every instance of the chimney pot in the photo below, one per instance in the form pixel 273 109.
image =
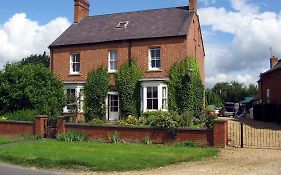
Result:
pixel 81 10
pixel 193 5
pixel 273 61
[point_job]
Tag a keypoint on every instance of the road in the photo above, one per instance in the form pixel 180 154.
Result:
pixel 6 169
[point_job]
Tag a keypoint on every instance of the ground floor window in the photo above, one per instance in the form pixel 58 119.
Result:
pixel 75 99
pixel 153 96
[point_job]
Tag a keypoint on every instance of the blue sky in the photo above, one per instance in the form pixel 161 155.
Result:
pixel 237 33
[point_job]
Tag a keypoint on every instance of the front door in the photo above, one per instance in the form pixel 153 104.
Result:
pixel 113 107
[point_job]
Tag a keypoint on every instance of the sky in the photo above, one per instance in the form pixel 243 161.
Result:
pixel 237 34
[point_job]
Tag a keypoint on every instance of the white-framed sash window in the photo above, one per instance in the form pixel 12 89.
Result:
pixel 112 60
pixel 154 59
pixel 75 63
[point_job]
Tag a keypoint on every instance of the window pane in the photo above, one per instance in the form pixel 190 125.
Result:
pixel 157 64
pixel 149 92
pixel 77 57
pixel 153 54
pixel 112 65
pixel 149 104
pixel 157 52
pixel 153 63
pixel 155 92
pixel 155 104
pixel 164 92
pixel 164 104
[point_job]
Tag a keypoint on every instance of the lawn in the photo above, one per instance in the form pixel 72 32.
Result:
pixel 97 156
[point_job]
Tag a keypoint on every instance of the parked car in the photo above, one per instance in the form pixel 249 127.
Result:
pixel 228 110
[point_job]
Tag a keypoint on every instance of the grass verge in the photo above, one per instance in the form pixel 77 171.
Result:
pixel 96 156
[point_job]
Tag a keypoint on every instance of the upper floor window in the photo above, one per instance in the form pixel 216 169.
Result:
pixel 154 58
pixel 75 63
pixel 112 61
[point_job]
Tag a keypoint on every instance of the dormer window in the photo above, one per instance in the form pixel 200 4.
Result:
pixel 122 24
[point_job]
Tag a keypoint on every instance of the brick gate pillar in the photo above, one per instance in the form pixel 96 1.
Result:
pixel 40 125
pixel 60 125
pixel 220 133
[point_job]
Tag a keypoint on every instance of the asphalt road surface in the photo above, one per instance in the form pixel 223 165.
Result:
pixel 13 170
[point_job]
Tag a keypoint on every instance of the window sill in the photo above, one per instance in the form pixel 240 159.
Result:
pixel 112 71
pixel 74 74
pixel 154 70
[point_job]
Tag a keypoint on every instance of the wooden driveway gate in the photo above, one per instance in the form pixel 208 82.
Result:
pixel 252 134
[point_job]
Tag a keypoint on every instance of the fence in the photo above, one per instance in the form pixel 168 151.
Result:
pixel 244 135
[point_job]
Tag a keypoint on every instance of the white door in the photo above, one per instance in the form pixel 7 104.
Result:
pixel 113 107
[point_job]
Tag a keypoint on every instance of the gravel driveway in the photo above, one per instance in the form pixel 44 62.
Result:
pixel 231 161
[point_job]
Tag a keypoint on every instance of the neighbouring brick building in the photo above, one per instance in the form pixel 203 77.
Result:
pixel 269 83
pixel 156 39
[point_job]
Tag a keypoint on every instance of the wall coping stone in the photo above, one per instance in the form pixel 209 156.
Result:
pixel 16 122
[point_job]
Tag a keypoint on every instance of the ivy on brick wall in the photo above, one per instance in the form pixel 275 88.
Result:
pixel 127 80
pixel 96 89
pixel 186 91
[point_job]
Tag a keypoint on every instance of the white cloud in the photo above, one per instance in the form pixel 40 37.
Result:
pixel 21 37
pixel 252 33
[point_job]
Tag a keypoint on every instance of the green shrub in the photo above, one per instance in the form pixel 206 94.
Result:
pixel 96 121
pixel 132 121
pixel 127 80
pixel 52 121
pixel 96 89
pixel 188 144
pixel 166 120
pixel 3 118
pixel 72 136
pixel 186 119
pixel 186 91
pixel 22 115
pixel 114 138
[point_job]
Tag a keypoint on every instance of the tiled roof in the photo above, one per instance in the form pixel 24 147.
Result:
pixel 142 24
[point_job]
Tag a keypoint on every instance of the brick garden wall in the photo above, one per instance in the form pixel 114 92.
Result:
pixel 21 128
pixel 13 128
pixel 212 137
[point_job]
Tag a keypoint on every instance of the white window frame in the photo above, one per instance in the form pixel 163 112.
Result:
pixel 78 94
pixel 150 59
pixel 111 60
pixel 159 86
pixel 71 70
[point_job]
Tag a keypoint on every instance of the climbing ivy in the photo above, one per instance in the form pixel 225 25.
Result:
pixel 127 80
pixel 186 91
pixel 96 89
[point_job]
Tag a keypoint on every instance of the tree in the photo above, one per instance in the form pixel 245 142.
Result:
pixel 234 91
pixel 96 89
pixel 37 59
pixel 127 79
pixel 30 87
pixel 252 90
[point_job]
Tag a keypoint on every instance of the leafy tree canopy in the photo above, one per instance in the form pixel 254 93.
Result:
pixel 37 59
pixel 30 86
pixel 234 91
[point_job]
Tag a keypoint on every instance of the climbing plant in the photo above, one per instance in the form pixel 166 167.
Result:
pixel 96 89
pixel 186 91
pixel 127 80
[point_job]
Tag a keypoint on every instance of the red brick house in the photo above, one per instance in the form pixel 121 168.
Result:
pixel 156 39
pixel 269 83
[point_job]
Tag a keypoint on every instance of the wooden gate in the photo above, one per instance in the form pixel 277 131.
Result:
pixel 253 135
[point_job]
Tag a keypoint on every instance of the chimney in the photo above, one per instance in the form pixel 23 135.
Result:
pixel 193 5
pixel 81 10
pixel 273 61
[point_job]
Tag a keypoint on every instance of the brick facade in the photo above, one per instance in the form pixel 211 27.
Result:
pixel 173 49
pixel 272 82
